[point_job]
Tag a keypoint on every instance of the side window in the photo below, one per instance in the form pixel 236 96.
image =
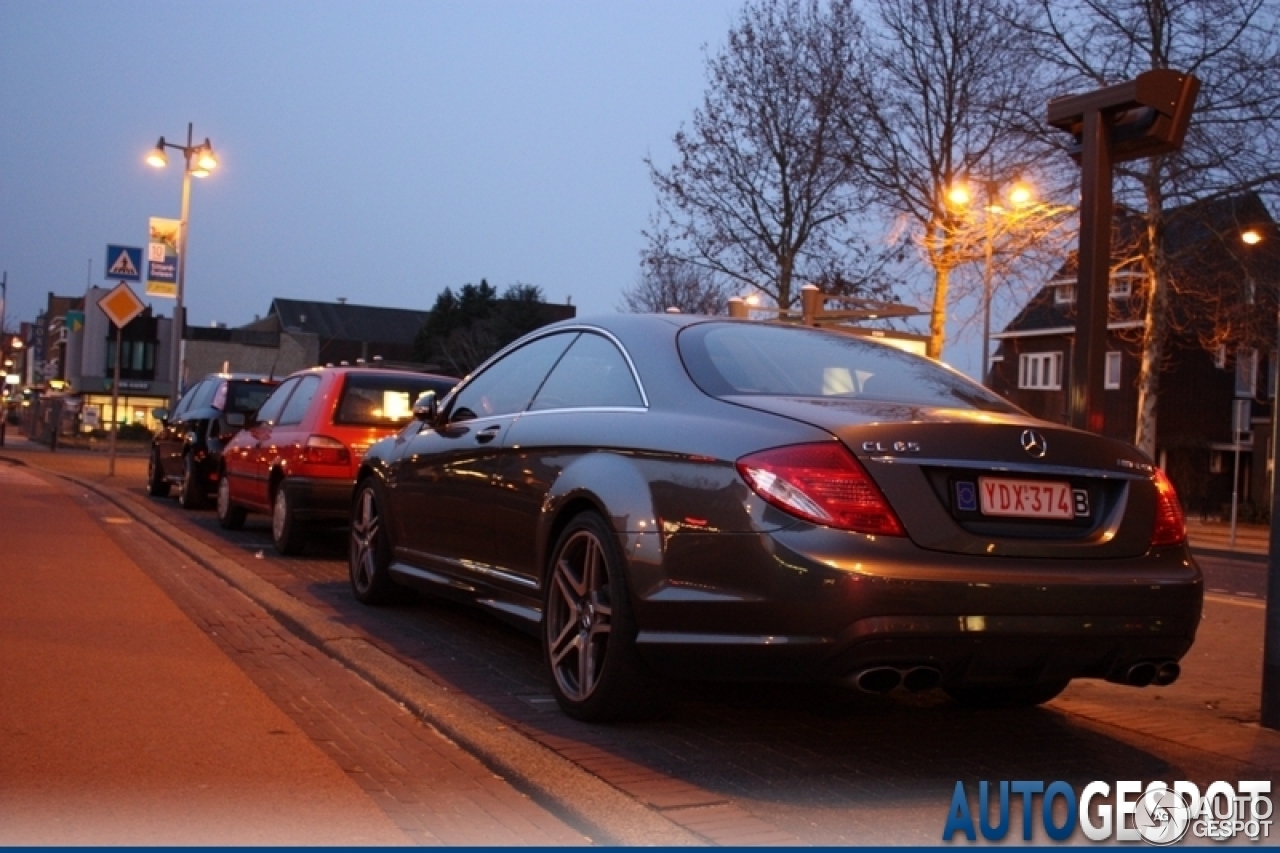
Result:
pixel 299 401
pixel 270 410
pixel 592 374
pixel 204 395
pixel 185 403
pixel 507 386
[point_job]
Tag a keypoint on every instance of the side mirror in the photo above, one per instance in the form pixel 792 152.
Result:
pixel 426 408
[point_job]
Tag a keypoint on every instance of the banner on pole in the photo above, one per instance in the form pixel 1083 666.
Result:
pixel 162 258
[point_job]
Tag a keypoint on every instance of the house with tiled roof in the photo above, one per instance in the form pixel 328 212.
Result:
pixel 1219 366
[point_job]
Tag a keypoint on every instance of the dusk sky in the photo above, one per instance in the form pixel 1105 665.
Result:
pixel 373 151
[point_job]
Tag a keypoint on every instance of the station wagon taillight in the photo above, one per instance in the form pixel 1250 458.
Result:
pixel 821 483
pixel 323 450
pixel 1171 525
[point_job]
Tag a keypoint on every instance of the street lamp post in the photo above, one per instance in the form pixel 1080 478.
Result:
pixel 198 160
pixel 1019 195
pixel 1270 711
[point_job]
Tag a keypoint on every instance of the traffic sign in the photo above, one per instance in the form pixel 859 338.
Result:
pixel 124 263
pixel 121 305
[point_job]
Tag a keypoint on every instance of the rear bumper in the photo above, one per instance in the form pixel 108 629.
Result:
pixel 320 499
pixel 782 608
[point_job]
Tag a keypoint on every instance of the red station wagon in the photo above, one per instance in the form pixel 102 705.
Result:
pixel 297 459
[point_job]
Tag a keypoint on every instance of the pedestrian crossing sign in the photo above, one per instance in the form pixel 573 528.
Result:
pixel 124 263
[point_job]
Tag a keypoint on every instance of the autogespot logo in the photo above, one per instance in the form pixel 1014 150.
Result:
pixel 1159 814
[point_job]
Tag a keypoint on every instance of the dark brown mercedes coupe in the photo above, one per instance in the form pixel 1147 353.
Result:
pixel 666 496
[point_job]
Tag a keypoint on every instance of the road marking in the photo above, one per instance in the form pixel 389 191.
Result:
pixel 1233 599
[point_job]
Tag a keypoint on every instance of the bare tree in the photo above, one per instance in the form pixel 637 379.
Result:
pixel 1233 48
pixel 666 284
pixel 764 191
pixel 941 103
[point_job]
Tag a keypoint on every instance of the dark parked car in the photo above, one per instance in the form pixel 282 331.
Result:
pixel 297 459
pixel 693 497
pixel 187 451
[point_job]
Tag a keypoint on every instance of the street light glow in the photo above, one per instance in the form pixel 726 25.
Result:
pixel 157 156
pixel 1251 237
pixel 1020 194
pixel 206 159
pixel 959 195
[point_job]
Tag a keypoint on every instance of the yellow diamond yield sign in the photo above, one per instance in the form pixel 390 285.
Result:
pixel 121 305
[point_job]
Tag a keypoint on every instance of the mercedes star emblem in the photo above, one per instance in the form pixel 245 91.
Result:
pixel 1034 443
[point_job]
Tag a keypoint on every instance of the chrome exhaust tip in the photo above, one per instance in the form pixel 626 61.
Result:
pixel 879 679
pixel 1140 674
pixel 1167 673
pixel 920 678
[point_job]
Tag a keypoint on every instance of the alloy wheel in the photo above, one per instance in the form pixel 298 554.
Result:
pixel 580 616
pixel 365 528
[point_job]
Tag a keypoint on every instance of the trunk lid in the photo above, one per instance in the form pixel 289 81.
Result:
pixel 992 483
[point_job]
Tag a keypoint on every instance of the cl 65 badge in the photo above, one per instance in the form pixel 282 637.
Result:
pixel 891 446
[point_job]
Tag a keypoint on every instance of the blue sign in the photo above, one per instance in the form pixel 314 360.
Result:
pixel 124 263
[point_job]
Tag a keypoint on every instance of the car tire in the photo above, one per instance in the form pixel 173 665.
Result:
pixel 157 485
pixel 190 494
pixel 588 631
pixel 230 516
pixel 369 551
pixel 287 532
pixel 1007 695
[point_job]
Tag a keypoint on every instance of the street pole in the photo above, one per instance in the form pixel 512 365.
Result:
pixel 179 314
pixel 204 161
pixel 1271 638
pixel 989 251
pixel 115 398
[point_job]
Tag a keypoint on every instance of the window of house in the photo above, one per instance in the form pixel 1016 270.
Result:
pixel 1120 287
pixel 1215 461
pixel 1220 357
pixel 1111 378
pixel 1040 370
pixel 1246 371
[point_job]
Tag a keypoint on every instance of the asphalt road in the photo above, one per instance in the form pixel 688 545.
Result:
pixel 1245 577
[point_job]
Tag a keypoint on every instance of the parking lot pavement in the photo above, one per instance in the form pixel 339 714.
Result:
pixel 1208 719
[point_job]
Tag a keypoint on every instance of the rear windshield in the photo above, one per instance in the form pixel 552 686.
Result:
pixel 730 359
pixel 385 400
pixel 247 397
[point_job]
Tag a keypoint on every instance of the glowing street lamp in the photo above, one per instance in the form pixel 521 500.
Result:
pixel 198 160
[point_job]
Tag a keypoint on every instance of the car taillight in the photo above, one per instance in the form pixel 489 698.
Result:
pixel 822 483
pixel 322 450
pixel 1171 525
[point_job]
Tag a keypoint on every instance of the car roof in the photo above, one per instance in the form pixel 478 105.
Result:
pixel 242 377
pixel 364 369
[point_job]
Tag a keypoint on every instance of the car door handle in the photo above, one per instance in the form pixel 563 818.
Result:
pixel 488 434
